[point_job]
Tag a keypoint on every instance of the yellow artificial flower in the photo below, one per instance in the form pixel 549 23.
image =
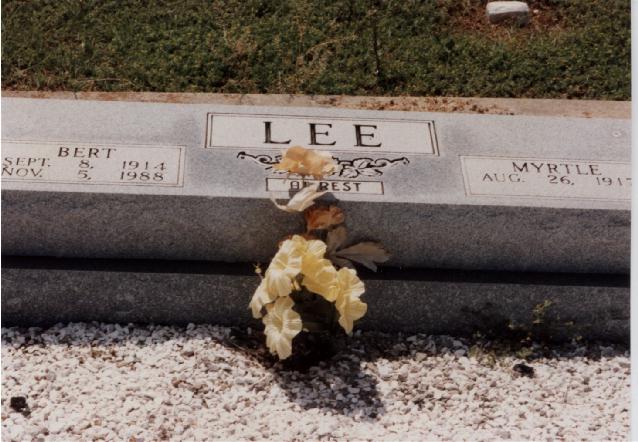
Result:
pixel 285 266
pixel 348 304
pixel 304 162
pixel 320 276
pixel 315 249
pixel 261 297
pixel 282 325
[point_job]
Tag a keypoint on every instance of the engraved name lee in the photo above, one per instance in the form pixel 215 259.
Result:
pixel 365 138
pixel 319 135
pixel 351 134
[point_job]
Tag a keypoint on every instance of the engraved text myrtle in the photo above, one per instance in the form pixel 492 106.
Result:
pixel 566 168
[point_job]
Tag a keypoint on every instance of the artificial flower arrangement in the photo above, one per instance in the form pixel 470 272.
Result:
pixel 311 284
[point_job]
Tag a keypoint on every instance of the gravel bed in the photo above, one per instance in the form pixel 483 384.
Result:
pixel 147 383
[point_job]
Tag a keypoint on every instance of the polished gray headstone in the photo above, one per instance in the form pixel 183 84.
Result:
pixel 193 181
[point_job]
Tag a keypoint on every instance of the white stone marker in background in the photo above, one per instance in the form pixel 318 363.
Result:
pixel 503 10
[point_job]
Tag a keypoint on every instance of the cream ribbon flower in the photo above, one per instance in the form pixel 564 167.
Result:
pixel 261 297
pixel 282 325
pixel 285 266
pixel 320 276
pixel 348 304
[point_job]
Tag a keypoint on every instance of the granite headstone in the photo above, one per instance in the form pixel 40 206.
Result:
pixel 193 182
pixel 92 189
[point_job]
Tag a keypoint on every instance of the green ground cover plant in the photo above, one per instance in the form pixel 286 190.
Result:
pixel 571 49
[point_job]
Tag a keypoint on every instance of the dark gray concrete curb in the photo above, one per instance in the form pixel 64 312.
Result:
pixel 43 291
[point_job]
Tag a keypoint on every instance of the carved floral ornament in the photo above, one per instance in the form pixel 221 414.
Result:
pixel 368 167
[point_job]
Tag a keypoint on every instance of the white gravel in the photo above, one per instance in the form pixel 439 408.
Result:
pixel 110 382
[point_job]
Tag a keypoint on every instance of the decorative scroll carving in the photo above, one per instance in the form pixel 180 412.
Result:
pixel 369 167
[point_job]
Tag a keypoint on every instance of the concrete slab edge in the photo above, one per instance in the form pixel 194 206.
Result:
pixel 480 105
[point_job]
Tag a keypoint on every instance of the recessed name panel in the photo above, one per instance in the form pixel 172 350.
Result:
pixel 549 178
pixel 88 163
pixel 254 131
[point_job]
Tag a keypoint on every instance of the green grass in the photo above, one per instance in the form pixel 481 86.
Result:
pixel 574 48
